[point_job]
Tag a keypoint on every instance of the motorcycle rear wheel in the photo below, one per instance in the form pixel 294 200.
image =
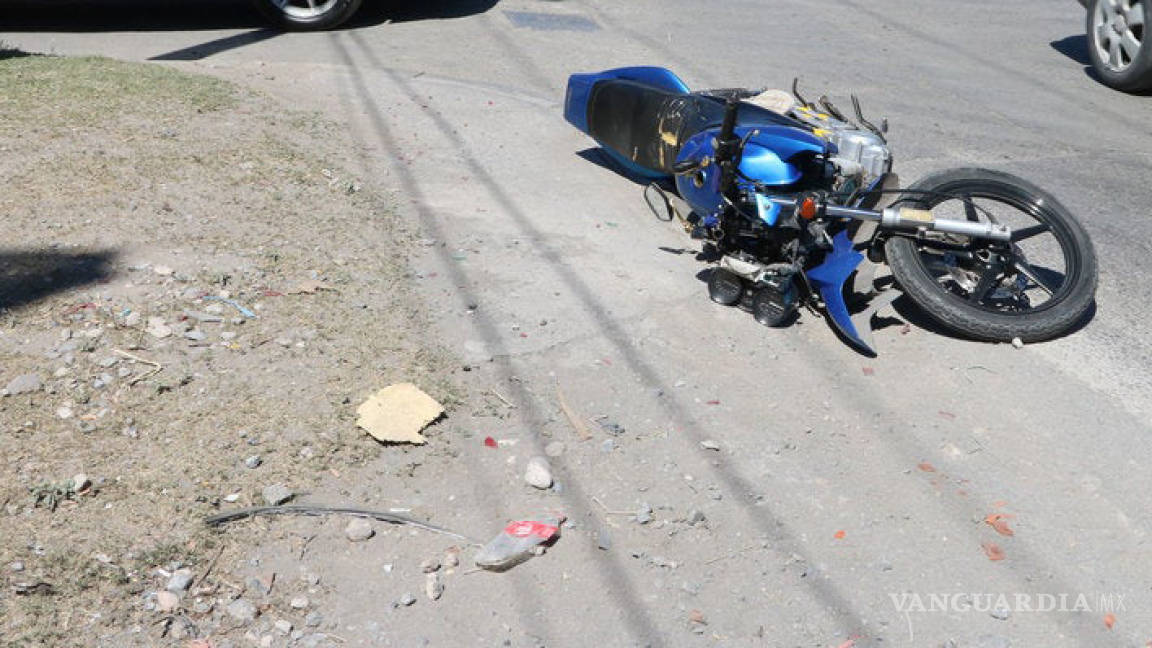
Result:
pixel 984 292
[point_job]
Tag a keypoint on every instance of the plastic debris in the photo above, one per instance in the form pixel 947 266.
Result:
pixel 517 542
pixel 397 413
pixel 233 303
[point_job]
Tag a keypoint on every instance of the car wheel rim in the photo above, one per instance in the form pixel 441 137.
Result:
pixel 1118 32
pixel 305 9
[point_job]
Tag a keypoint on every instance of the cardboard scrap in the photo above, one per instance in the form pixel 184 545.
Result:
pixel 397 413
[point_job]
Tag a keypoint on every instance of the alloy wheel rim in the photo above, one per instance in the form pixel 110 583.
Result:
pixel 1118 32
pixel 305 9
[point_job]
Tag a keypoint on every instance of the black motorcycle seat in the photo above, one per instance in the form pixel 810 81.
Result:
pixel 645 124
pixel 648 125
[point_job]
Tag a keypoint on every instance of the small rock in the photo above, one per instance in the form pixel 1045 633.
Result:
pixel 359 530
pixel 1001 613
pixel 430 565
pixel 196 335
pixel 64 412
pixel 406 599
pixel 709 444
pixel 80 482
pixel 163 271
pixel 231 497
pixel 313 619
pixel 607 445
pixel 180 580
pixel 538 473
pixel 298 602
pixel 157 328
pixel 277 494
pixel 451 558
pixel 644 513
pixel 696 517
pixel 166 601
pixel 227 335
pixel 16 566
pixel 554 449
pixel 132 320
pixel 1018 343
pixel 283 626
pixel 242 610
pixel 253 462
pixel 433 586
pixel 23 384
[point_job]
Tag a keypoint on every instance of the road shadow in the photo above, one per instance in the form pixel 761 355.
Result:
pixel 1074 47
pixel 30 275
pixel 597 156
pixel 181 15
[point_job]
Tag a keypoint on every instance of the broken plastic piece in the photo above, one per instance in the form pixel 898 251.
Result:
pixel 517 541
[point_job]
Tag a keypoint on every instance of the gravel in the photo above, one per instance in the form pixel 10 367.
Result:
pixel 242 610
pixel 23 384
pixel 359 530
pixel 538 473
pixel 277 494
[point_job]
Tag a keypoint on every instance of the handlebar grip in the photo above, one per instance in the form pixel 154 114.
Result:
pixel 728 126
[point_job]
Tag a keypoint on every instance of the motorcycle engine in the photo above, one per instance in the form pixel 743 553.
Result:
pixel 862 156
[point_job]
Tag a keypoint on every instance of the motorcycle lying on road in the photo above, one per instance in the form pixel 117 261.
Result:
pixel 799 206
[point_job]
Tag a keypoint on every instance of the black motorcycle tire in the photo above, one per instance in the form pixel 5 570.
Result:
pixel 1058 316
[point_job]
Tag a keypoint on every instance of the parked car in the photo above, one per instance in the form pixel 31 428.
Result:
pixel 308 15
pixel 1118 43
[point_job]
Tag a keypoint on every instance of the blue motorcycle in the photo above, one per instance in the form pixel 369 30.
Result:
pixel 798 206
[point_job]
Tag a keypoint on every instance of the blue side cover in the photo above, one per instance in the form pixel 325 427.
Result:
pixel 829 278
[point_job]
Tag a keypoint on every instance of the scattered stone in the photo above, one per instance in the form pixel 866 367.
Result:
pixel 433 586
pixel 80 482
pixel 709 444
pixel 23 384
pixel 538 473
pixel 406 599
pixel 163 271
pixel 607 445
pixel 644 513
pixel 227 335
pixel 64 412
pixel 313 619
pixel 451 558
pixel 157 328
pixel 277 494
pixel 1001 613
pixel 298 602
pixel 132 320
pixel 283 626
pixel 242 610
pixel 110 361
pixel 603 540
pixel 196 335
pixel 359 530
pixel 695 517
pixel 232 497
pixel 253 462
pixel 1018 343
pixel 180 580
pixel 430 565
pixel 166 601
pixel 554 449
pixel 16 566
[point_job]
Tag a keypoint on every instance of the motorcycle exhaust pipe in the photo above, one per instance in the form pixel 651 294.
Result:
pixel 908 219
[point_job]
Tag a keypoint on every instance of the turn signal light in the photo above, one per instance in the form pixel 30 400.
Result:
pixel 807 208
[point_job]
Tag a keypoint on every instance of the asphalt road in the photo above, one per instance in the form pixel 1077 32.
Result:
pixel 551 269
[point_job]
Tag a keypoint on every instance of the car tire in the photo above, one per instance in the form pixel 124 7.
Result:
pixel 308 15
pixel 1119 45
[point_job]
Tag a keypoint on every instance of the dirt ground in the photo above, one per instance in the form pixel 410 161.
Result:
pixel 144 211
